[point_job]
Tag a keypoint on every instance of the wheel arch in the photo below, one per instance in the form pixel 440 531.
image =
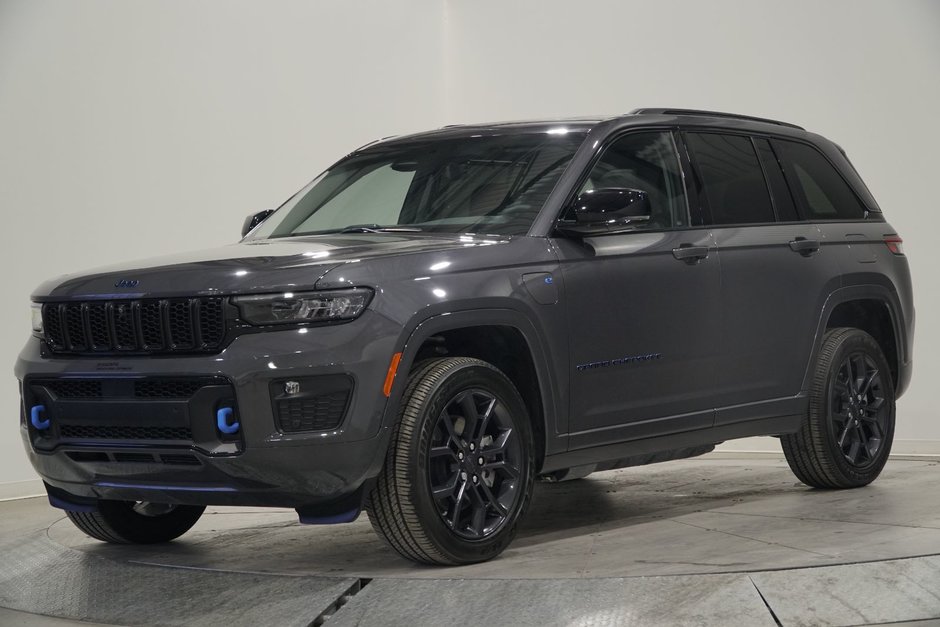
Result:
pixel 495 336
pixel 874 309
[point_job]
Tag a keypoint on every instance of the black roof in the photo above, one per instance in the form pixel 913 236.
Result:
pixel 515 126
pixel 711 114
pixel 583 123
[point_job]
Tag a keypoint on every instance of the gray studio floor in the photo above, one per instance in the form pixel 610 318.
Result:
pixel 721 540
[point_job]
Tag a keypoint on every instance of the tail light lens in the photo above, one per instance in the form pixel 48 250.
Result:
pixel 895 244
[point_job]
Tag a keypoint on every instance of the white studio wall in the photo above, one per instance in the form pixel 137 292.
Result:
pixel 863 73
pixel 135 129
pixel 130 129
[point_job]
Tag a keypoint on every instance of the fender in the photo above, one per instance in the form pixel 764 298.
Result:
pixel 556 439
pixel 868 291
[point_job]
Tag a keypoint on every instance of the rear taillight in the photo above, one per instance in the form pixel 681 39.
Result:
pixel 895 244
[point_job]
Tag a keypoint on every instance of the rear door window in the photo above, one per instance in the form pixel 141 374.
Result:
pixel 820 190
pixel 732 178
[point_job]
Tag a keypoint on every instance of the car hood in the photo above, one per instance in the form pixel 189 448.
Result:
pixel 247 267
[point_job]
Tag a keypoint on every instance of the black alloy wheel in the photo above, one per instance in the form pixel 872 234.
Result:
pixel 859 410
pixel 459 470
pixel 473 464
pixel 845 437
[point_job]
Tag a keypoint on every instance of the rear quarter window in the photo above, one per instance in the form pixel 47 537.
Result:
pixel 818 187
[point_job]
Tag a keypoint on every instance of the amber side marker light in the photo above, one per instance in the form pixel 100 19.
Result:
pixel 895 244
pixel 390 377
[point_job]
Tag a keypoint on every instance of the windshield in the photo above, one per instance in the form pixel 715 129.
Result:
pixel 493 185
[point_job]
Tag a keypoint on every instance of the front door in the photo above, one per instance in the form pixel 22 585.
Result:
pixel 642 306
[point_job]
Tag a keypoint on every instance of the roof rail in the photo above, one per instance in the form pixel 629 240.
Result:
pixel 712 114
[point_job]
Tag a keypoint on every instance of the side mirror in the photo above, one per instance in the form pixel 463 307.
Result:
pixel 608 210
pixel 254 220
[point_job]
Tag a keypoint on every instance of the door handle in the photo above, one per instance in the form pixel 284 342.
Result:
pixel 690 254
pixel 805 247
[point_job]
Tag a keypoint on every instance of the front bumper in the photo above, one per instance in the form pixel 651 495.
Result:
pixel 262 464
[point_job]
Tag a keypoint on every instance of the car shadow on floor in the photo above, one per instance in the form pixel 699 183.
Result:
pixel 614 500
pixel 273 541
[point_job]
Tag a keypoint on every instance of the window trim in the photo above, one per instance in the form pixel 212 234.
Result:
pixel 770 188
pixel 613 138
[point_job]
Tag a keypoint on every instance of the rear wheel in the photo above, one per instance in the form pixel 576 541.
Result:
pixel 459 470
pixel 846 437
pixel 135 522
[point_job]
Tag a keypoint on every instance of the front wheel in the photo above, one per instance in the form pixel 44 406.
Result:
pixel 459 470
pixel 846 436
pixel 130 522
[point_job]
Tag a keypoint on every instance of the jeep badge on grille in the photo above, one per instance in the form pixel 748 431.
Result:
pixel 127 283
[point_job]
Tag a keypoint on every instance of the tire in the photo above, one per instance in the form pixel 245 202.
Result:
pixel 434 502
pixel 129 522
pixel 846 436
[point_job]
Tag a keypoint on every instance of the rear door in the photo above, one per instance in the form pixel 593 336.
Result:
pixel 774 275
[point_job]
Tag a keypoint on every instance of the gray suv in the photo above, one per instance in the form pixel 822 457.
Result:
pixel 440 319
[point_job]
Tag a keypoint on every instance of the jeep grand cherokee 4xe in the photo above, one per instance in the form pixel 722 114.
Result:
pixel 439 319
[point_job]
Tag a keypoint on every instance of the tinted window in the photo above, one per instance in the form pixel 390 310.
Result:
pixel 783 200
pixel 647 162
pixel 820 190
pixel 733 181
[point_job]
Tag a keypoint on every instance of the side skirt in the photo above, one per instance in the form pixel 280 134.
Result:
pixel 665 448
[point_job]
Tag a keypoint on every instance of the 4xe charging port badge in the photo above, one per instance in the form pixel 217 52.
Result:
pixel 541 287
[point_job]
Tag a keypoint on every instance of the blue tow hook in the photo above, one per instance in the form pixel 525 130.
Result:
pixel 222 421
pixel 35 417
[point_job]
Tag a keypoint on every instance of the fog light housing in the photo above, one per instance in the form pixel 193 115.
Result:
pixel 318 403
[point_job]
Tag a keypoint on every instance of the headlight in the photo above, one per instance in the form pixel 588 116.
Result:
pixel 36 309
pixel 304 306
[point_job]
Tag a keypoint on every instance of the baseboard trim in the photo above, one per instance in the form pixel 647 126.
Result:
pixel 918 448
pixel 13 490
pixel 770 447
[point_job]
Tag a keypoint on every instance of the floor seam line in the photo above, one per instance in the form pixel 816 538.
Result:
pixel 738 535
pixel 330 610
pixel 773 614
pixel 828 520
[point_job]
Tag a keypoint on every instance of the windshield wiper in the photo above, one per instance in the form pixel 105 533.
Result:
pixel 376 228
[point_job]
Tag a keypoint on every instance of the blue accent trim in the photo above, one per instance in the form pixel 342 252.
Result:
pixel 222 418
pixel 35 417
pixel 345 517
pixel 549 280
pixel 70 507
pixel 170 488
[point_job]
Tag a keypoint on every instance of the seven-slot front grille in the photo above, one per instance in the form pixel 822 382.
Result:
pixel 169 325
